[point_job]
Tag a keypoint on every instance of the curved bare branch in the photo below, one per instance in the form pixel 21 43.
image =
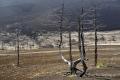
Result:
pixel 63 58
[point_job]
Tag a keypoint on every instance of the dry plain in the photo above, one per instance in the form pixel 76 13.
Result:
pixel 46 64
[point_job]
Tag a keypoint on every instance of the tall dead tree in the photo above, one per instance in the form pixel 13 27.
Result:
pixel 81 43
pixel 18 46
pixel 96 39
pixel 70 53
pixel 81 35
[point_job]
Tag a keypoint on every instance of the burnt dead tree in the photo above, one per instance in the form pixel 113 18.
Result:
pixel 18 47
pixel 81 44
pixel 91 13
pixel 70 53
pixel 96 39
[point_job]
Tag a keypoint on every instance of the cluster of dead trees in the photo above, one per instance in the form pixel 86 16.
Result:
pixel 81 44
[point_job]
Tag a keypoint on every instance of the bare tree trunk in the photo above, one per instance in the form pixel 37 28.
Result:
pixel 61 25
pixel 18 50
pixel 79 34
pixel 96 40
pixel 81 45
pixel 70 53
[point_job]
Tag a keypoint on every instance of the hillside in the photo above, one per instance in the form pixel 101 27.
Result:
pixel 51 40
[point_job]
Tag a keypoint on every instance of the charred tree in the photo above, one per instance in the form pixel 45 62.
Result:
pixel 70 53
pixel 81 44
pixel 18 47
pixel 96 39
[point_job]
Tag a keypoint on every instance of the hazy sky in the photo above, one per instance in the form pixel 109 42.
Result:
pixel 111 7
pixel 14 2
